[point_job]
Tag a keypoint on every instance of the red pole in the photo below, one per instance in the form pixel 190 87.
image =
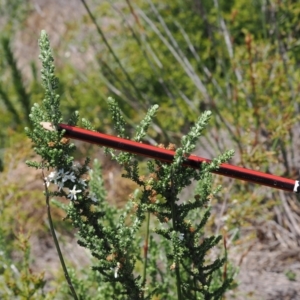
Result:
pixel 193 161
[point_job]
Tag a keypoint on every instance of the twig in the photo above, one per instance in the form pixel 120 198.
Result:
pixel 146 246
pixel 289 214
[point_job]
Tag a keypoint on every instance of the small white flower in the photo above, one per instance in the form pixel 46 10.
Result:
pixel 48 126
pixel 93 198
pixel 47 182
pixel 69 176
pixel 73 192
pixel 82 182
pixel 181 236
pixel 61 172
pixel 60 185
pixel 54 176
pixel 117 268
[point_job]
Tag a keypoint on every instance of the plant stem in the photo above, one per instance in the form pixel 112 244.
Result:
pixel 146 248
pixel 57 243
pixel 177 268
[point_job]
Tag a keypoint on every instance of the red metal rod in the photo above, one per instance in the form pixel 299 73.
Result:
pixel 193 161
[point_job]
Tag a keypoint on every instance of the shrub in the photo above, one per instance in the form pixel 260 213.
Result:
pixel 176 262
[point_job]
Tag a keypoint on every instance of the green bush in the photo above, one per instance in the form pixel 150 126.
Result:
pixel 176 248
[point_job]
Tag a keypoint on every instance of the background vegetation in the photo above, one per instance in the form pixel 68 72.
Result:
pixel 239 59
